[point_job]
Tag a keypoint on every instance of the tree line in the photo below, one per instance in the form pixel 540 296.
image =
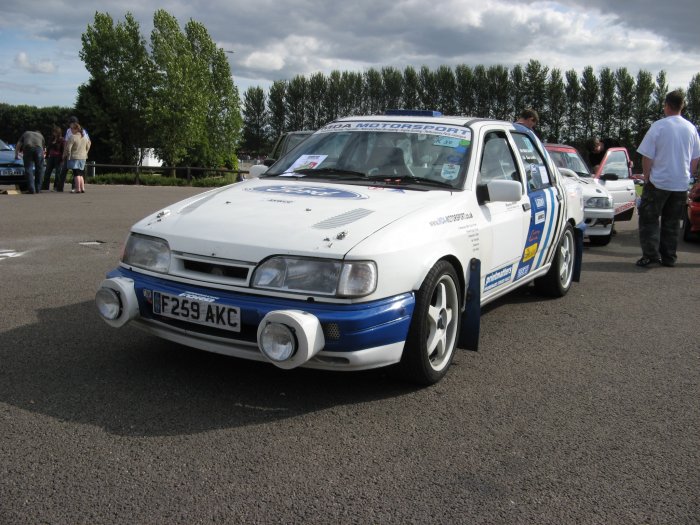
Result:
pixel 177 96
pixel 573 107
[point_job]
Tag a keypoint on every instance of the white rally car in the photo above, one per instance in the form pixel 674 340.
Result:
pixel 374 243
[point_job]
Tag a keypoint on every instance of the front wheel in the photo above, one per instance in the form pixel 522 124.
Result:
pixel 432 337
pixel 557 281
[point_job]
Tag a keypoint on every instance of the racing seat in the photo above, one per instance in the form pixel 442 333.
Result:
pixel 389 161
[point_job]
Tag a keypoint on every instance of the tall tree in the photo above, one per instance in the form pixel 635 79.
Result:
pixel 222 124
pixel 464 79
pixel 316 94
pixel 573 98
pixel 481 92
pixel 331 101
pixel 499 92
pixel 589 102
pixel 392 81
pixel 121 83
pixel 624 101
pixel 178 109
pixel 446 87
pixel 641 111
pixel 428 88
pixel 692 110
pixel 518 88
pixel 659 95
pixel 276 109
pixel 606 113
pixel 254 121
pixel 351 93
pixel 411 88
pixel 535 82
pixel 295 103
pixel 373 92
pixel 556 106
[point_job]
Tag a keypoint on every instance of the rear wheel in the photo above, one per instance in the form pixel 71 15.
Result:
pixel 557 281
pixel 432 337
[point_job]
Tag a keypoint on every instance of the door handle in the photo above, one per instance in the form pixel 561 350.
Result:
pixel 526 206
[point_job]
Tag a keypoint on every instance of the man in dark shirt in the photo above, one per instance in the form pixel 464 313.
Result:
pixel 31 144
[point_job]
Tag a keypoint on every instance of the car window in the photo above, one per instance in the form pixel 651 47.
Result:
pixel 536 171
pixel 616 163
pixel 497 160
pixel 571 160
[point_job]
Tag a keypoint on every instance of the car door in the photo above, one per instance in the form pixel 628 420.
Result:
pixel 505 223
pixel 545 202
pixel 617 162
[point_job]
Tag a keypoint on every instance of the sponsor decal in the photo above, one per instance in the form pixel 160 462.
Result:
pixel 498 277
pixel 310 191
pixel 405 127
pixel 522 272
pixel 539 217
pixel 624 207
pixel 539 202
pixel 534 236
pixel 457 217
pixel 530 252
pixel 198 297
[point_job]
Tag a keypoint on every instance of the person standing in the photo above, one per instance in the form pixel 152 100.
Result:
pixel 75 156
pixel 54 155
pixel 31 144
pixel 528 118
pixel 64 168
pixel 670 151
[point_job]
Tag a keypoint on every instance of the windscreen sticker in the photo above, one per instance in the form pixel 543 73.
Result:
pixel 305 162
pixel 450 171
pixel 309 191
pixel 450 142
pixel 402 127
pixel 544 177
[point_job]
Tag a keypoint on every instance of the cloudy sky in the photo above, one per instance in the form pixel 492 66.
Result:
pixel 277 39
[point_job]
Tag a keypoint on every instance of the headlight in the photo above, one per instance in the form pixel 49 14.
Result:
pixel 317 276
pixel 149 253
pixel 599 202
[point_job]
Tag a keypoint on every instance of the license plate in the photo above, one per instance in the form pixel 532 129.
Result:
pixel 201 312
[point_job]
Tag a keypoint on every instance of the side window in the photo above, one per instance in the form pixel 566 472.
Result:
pixel 497 160
pixel 616 163
pixel 535 167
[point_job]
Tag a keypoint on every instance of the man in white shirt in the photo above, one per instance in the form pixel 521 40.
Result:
pixel 670 151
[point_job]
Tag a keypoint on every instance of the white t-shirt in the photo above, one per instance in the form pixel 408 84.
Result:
pixel 671 143
pixel 69 132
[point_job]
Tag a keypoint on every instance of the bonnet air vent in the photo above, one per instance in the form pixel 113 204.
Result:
pixel 343 219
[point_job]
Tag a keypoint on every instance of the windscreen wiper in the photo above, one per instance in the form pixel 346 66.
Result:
pixel 329 173
pixel 410 179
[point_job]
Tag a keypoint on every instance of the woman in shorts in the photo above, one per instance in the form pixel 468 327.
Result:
pixel 75 155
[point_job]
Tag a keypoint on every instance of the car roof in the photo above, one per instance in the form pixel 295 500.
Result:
pixel 444 120
pixel 559 147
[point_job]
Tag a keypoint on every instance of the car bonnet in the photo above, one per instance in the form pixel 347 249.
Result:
pixel 257 218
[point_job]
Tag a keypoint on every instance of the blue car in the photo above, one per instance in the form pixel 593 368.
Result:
pixel 11 169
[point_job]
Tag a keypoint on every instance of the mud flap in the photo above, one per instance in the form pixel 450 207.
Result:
pixel 471 316
pixel 579 231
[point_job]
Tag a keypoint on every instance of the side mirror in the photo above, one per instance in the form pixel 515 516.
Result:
pixel 255 171
pixel 609 176
pixel 503 191
pixel 568 173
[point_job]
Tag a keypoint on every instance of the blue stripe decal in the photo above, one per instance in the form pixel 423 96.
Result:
pixel 551 213
pixel 534 244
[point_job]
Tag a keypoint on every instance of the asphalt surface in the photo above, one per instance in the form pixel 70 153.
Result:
pixel 583 409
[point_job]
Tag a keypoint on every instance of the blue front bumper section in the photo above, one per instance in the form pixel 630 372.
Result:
pixel 346 327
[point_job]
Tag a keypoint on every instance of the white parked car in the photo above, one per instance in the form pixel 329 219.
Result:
pixel 374 243
pixel 598 208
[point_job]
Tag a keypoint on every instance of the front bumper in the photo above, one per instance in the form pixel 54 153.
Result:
pixel 357 336
pixel 599 221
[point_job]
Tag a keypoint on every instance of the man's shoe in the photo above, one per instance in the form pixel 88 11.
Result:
pixel 646 261
pixel 668 262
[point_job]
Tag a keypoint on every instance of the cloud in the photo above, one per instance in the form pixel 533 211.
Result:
pixel 23 62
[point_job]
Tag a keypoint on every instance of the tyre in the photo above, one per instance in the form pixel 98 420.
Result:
pixel 600 240
pixel 557 281
pixel 432 337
